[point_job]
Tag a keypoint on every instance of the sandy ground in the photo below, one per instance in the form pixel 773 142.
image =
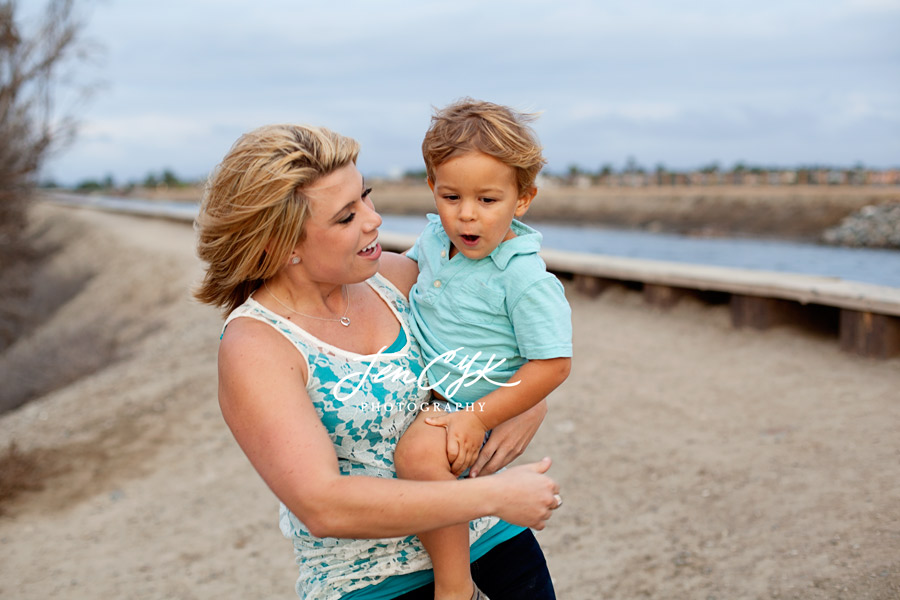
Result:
pixel 696 461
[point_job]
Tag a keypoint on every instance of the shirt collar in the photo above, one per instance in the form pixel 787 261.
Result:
pixel 527 241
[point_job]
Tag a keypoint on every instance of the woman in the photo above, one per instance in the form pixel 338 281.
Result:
pixel 318 378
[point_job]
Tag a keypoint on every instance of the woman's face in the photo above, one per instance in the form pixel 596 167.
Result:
pixel 341 243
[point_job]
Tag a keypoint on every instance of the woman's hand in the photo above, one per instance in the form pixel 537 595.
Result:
pixel 529 497
pixel 509 440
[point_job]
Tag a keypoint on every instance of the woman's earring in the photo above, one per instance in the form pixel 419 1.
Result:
pixel 295 260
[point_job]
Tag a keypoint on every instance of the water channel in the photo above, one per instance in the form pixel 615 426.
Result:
pixel 880 267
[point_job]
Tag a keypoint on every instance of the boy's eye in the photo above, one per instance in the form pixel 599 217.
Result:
pixel 451 197
pixel 488 200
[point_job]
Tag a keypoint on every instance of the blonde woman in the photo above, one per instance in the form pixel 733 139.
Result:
pixel 319 376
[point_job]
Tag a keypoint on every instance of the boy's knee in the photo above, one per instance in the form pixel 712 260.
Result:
pixel 404 456
pixel 420 457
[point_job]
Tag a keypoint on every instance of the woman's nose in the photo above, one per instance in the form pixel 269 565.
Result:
pixel 373 219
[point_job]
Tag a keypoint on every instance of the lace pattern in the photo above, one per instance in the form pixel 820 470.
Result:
pixel 364 427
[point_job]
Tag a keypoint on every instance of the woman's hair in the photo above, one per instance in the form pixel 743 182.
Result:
pixel 254 211
pixel 499 131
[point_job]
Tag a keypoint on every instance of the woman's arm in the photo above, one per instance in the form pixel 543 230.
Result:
pixel 264 401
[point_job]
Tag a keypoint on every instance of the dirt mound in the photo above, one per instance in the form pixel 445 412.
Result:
pixel 785 212
pixel 37 356
pixel 84 303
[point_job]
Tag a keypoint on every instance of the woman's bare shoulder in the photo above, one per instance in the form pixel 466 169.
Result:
pixel 399 270
pixel 250 346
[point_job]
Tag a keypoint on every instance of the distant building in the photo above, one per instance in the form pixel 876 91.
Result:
pixel 740 176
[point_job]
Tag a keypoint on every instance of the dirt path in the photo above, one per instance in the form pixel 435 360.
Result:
pixel 696 461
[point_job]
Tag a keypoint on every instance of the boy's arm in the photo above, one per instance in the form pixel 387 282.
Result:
pixel 466 429
pixel 536 379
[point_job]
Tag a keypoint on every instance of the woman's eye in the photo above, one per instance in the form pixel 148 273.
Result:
pixel 347 219
pixel 366 193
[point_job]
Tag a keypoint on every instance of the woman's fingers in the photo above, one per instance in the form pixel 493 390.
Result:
pixel 540 466
pixel 532 497
pixel 493 457
pixel 483 461
pixel 509 439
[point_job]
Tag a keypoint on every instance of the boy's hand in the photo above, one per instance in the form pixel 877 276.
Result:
pixel 465 435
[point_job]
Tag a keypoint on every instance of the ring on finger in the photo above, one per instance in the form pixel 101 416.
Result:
pixel 558 501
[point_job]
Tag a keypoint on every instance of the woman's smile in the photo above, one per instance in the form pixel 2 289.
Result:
pixel 342 227
pixel 372 251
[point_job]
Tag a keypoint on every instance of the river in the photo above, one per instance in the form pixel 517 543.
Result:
pixel 880 267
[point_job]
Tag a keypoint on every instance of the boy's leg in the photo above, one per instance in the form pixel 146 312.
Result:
pixel 512 570
pixel 421 454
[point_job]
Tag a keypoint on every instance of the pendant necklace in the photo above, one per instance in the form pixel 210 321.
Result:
pixel 344 320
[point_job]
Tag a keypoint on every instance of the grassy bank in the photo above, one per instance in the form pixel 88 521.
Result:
pixel 788 212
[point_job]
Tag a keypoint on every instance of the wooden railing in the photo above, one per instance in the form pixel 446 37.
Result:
pixel 867 317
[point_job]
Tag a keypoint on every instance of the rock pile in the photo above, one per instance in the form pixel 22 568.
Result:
pixel 873 226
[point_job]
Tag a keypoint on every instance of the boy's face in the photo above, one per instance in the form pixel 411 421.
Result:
pixel 477 197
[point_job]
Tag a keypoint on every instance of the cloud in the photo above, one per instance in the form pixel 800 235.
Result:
pixel 631 111
pixel 148 128
pixel 670 82
pixel 875 6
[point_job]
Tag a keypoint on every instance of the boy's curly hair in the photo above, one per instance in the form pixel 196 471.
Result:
pixel 498 131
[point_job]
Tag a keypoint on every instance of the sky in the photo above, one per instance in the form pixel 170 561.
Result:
pixel 679 84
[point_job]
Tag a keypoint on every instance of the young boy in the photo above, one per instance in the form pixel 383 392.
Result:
pixel 494 325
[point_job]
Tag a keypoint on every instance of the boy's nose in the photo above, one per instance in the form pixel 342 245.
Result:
pixel 466 211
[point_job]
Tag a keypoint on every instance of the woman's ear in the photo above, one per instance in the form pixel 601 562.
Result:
pixel 293 259
pixel 524 201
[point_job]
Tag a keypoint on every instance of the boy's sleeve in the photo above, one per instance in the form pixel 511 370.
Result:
pixel 413 253
pixel 542 320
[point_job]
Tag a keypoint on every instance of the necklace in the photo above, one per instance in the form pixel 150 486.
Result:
pixel 344 320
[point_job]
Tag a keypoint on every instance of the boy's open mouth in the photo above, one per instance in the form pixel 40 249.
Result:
pixel 470 240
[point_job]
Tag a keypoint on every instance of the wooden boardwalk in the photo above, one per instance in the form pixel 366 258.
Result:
pixel 866 317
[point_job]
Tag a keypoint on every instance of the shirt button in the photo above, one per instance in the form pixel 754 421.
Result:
pixel 437 283
pixel 443 253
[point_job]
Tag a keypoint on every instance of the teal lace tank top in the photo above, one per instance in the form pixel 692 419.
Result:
pixel 365 414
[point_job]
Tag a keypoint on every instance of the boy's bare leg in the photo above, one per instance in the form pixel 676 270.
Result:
pixel 421 454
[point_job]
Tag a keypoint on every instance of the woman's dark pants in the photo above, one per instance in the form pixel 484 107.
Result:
pixel 513 570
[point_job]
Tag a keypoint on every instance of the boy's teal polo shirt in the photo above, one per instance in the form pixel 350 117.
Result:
pixel 506 307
